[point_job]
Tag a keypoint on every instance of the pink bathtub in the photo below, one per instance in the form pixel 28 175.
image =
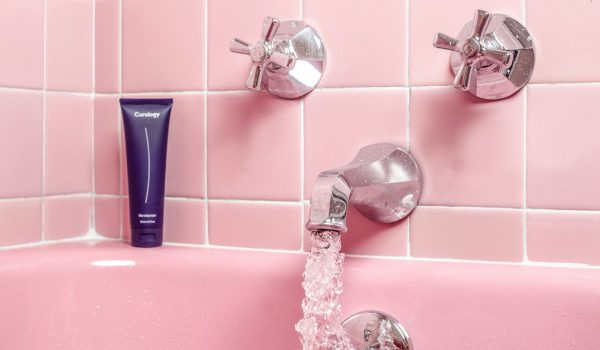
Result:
pixel 111 296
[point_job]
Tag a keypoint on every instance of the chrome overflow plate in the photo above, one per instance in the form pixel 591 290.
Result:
pixel 288 60
pixel 370 330
pixel 492 57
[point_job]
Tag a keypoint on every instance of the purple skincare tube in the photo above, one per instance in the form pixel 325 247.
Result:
pixel 146 124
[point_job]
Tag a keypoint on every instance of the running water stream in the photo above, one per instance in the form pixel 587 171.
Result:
pixel 321 328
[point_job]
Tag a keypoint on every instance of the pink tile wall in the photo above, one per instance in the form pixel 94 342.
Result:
pixel 510 181
pixel 69 45
pixel 46 142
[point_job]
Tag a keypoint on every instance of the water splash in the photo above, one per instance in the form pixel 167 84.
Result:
pixel 321 328
pixel 385 338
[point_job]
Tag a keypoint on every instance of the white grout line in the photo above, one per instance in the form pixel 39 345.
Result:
pixel 480 262
pixel 44 102
pixel 98 238
pixel 108 195
pixel 255 201
pixel 407 40
pixel 302 173
pixel 85 238
pixel 119 123
pixel 93 216
pixel 185 199
pixel 525 218
pixel 469 207
pixel 408 98
pixel 304 202
pixel 205 116
pixel 242 249
pixel 50 196
pixel 225 92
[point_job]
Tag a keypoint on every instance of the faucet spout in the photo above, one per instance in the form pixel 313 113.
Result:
pixel 383 182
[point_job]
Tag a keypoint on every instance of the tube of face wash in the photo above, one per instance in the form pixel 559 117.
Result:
pixel 146 124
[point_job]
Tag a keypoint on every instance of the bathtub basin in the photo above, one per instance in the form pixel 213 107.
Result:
pixel 112 296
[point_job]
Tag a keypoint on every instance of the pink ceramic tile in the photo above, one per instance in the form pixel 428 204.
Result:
pixel 68 144
pixel 226 70
pixel 431 66
pixel 22 64
pixel 563 237
pixel 108 216
pixel 339 123
pixel 20 221
pixel 184 221
pixel 69 46
pixel 21 144
pixel 474 234
pixel 562 147
pixel 365 41
pixel 470 151
pixel 366 237
pixel 563 30
pixel 163 45
pixel 107 46
pixel 106 144
pixel 185 153
pixel 67 217
pixel 255 225
pixel 253 147
pixel 185 150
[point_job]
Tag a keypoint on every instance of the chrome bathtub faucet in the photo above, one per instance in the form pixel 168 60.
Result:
pixel 383 182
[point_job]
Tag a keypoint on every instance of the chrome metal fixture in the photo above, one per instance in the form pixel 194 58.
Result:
pixel 371 330
pixel 288 60
pixel 492 57
pixel 383 182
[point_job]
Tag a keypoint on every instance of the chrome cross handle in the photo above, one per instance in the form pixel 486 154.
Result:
pixel 472 51
pixel 262 54
pixel 288 60
pixel 492 57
